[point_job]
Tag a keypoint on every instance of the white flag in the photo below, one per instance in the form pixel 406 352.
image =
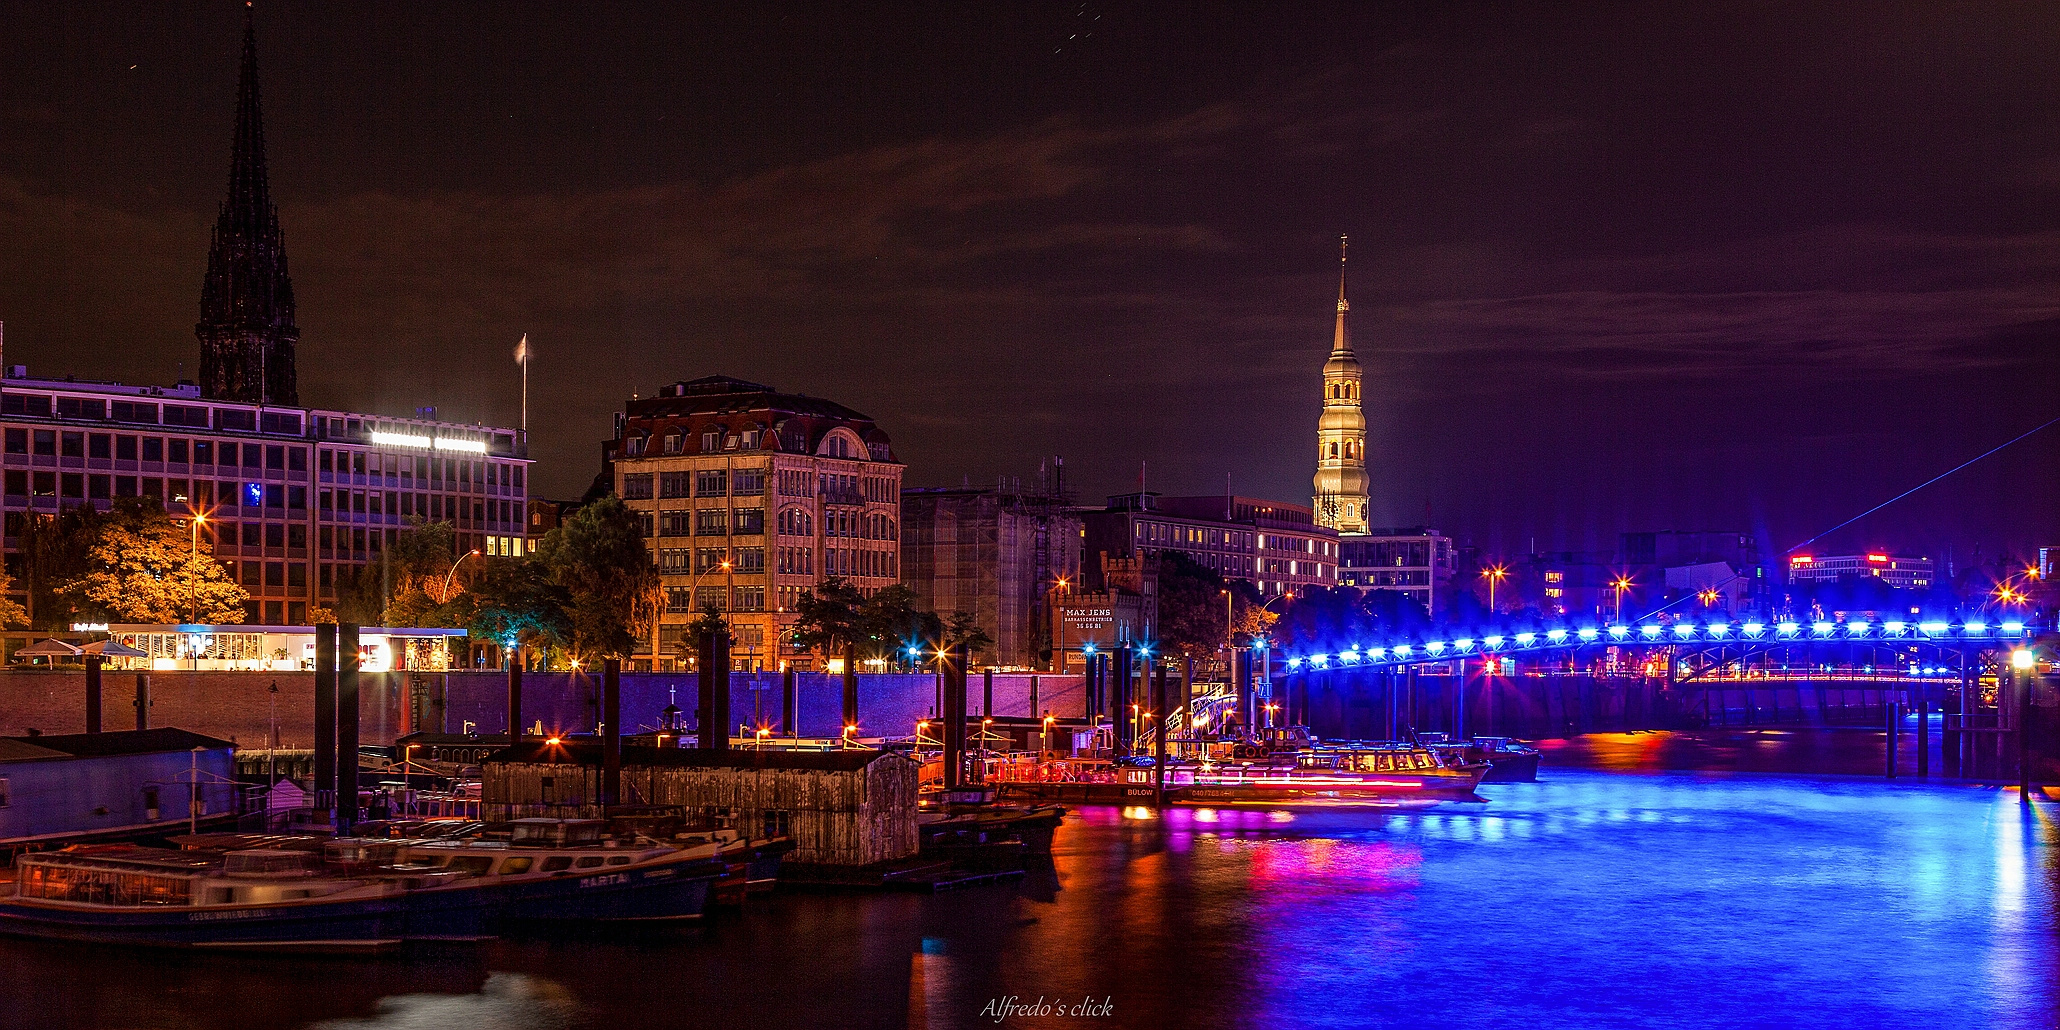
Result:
pixel 522 350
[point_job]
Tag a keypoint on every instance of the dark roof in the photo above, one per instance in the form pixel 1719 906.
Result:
pixel 123 742
pixel 721 394
pixel 590 754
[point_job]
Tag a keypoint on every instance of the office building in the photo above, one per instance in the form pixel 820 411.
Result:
pixel 748 498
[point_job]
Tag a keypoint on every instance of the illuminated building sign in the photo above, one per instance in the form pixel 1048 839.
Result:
pixel 440 443
pixel 1801 559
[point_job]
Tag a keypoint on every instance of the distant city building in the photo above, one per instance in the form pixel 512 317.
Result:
pixel 294 501
pixel 998 554
pixel 1417 561
pixel 1903 571
pixel 1689 560
pixel 546 515
pixel 2047 556
pixel 749 497
pixel 1275 546
pixel 1120 606
pixel 1340 503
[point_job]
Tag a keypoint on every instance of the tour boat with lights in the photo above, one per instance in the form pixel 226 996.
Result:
pixel 1321 773
pixel 1331 772
pixel 269 899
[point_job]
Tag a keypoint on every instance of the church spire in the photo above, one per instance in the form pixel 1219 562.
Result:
pixel 1340 343
pixel 246 329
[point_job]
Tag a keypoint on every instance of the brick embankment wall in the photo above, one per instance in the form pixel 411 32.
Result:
pixel 240 706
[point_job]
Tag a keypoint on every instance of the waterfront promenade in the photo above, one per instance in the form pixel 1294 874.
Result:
pixel 1591 899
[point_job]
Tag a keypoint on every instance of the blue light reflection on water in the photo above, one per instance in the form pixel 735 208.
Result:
pixel 1590 900
pixel 1597 900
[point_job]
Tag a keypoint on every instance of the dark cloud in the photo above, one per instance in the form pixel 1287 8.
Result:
pixel 1745 266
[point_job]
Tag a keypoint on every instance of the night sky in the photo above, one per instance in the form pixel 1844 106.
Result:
pixel 1666 266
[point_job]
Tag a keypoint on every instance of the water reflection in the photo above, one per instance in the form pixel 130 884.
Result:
pixel 513 1000
pixel 1588 900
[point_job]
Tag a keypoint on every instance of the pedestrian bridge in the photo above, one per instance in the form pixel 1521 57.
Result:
pixel 1748 635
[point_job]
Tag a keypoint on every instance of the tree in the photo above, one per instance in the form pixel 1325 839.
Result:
pixel 56 551
pixel 599 558
pixel 828 617
pixel 962 632
pixel 514 603
pixel 1191 606
pixel 145 569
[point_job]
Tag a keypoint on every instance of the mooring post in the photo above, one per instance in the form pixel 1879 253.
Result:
pixel 850 729
pixel 611 733
pixel 515 699
pixel 1923 731
pixel 1895 718
pixel 1158 704
pixel 346 729
pixel 92 693
pixel 325 722
pixel 143 703
pixel 789 718
pixel 951 670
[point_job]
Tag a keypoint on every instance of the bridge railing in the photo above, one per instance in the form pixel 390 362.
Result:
pixel 1428 648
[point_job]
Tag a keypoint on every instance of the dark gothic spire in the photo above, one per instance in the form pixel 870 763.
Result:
pixel 246 329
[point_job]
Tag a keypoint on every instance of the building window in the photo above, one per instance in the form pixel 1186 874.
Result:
pixel 750 599
pixel 750 520
pixel 709 558
pixel 675 523
pixel 673 484
pixel 711 597
pixel 712 483
pixel 751 559
pixel 711 522
pixel 636 486
pixel 674 561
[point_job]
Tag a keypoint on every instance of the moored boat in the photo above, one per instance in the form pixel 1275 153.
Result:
pixel 1509 760
pixel 260 899
pixel 1332 772
pixel 564 870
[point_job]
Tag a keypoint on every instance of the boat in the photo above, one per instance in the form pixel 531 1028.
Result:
pixel 1332 772
pixel 254 899
pixel 1371 772
pixel 1509 760
pixel 556 871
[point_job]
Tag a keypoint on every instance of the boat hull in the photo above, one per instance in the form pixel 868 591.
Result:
pixel 648 893
pixel 368 924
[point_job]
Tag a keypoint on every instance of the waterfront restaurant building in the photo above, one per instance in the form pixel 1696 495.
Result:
pixel 748 498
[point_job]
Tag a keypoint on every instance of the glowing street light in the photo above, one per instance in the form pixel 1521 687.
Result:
pixel 1620 584
pixel 1493 576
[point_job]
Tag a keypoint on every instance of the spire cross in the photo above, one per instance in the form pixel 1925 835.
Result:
pixel 1342 306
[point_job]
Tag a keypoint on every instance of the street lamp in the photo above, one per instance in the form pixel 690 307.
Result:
pixel 1494 576
pixel 452 575
pixel 193 584
pixel 1620 584
pixel 1057 585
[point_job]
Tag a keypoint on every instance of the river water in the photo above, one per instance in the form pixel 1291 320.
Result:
pixel 1594 899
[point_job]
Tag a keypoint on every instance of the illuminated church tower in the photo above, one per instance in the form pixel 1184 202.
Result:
pixel 1341 431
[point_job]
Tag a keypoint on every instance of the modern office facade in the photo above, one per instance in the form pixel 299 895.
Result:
pixel 293 500
pixel 1277 547
pixel 1418 562
pixel 1897 570
pixel 749 497
pixel 997 554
